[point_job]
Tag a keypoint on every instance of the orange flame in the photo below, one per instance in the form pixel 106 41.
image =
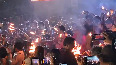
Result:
pixel 76 49
pixel 32 48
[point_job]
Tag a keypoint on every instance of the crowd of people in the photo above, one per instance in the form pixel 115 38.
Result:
pixel 56 42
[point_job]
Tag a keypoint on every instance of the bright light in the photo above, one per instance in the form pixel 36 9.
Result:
pixel 37 40
pixel 103 7
pixel 60 35
pixel 32 33
pixel 66 34
pixel 90 34
pixel 108 14
pixel 43 32
pixel 32 48
pixel 76 49
pixel 55 29
pixel 100 44
pixel 111 11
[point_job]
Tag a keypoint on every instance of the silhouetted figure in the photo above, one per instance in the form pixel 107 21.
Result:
pixel 67 57
pixel 55 57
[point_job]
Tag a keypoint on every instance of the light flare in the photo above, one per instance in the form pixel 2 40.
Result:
pixel 90 34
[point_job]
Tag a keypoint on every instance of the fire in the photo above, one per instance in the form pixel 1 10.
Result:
pixel 90 34
pixel 76 49
pixel 32 48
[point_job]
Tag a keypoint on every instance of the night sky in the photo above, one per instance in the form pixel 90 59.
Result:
pixel 10 8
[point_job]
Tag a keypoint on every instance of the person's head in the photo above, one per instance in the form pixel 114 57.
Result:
pixel 3 52
pixel 39 52
pixel 69 43
pixel 55 56
pixel 109 35
pixel 109 23
pixel 96 50
pixel 61 28
pixel 18 46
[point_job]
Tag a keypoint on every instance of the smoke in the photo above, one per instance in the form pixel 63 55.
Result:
pixel 71 9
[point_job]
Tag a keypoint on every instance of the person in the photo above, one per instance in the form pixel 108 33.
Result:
pixel 55 57
pixel 67 57
pixel 18 56
pixel 3 56
pixel 61 32
pixel 107 54
pixel 39 54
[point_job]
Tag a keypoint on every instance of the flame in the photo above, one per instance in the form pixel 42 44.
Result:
pixel 32 48
pixel 90 34
pixel 76 49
